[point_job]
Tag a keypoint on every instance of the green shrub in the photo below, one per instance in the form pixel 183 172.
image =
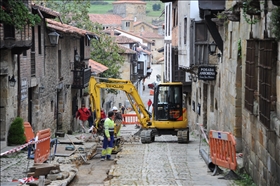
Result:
pixel 16 132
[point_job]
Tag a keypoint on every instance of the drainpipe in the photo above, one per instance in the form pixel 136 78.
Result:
pixel 18 86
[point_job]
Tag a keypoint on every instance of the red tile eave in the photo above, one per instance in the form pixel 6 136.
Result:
pixel 66 28
pixel 147 40
pixel 127 50
pixel 97 67
pixel 46 10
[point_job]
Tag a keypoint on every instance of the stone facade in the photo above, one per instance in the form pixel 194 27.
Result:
pixel 130 9
pixel 221 104
pixel 42 94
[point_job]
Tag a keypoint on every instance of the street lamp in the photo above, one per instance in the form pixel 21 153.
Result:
pixel 12 81
pixel 53 36
pixel 77 56
pixel 212 48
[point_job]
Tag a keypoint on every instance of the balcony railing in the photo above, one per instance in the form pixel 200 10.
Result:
pixel 81 78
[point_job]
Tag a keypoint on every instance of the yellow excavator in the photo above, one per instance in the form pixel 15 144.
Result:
pixel 168 117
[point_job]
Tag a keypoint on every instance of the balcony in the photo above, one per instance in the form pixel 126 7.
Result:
pixel 81 78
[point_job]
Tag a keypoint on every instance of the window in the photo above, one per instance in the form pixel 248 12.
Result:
pixel 9 31
pixel 127 24
pixel 59 64
pixel 260 77
pixel 200 32
pixel 185 30
pixel 39 40
pixel 154 42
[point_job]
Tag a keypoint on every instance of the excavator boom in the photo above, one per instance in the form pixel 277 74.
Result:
pixel 117 84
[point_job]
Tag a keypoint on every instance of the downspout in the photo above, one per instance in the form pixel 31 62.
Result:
pixel 19 87
pixel 57 99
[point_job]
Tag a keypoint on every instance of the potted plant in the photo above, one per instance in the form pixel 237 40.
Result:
pixel 16 132
pixel 220 19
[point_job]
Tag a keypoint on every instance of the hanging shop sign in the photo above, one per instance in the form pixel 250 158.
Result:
pixel 206 73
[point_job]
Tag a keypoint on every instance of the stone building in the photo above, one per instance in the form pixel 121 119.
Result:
pixel 44 70
pixel 130 8
pixel 242 97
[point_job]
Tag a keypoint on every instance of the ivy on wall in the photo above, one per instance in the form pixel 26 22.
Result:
pixel 16 13
pixel 275 23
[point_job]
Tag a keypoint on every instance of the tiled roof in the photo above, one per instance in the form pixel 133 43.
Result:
pixel 96 67
pixel 106 19
pixel 45 10
pixel 127 50
pixel 129 1
pixel 150 35
pixel 124 40
pixel 66 28
pixel 147 40
pixel 150 25
pixel 142 50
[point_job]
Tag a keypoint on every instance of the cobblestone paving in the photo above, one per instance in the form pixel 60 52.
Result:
pixel 163 162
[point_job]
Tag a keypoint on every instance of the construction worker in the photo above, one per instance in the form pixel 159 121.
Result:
pixel 108 137
pixel 118 120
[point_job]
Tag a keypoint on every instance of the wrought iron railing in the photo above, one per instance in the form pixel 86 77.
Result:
pixel 81 78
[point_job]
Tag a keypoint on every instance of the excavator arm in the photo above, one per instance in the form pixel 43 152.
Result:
pixel 118 84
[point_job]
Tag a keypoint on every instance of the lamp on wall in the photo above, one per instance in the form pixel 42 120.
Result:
pixel 212 49
pixel 53 36
pixel 12 81
pixel 77 56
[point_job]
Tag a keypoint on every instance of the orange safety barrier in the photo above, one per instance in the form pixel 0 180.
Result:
pixel 28 131
pixel 129 119
pixel 222 149
pixel 42 151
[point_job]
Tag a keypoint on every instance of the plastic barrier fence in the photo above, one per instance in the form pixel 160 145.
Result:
pixel 222 149
pixel 28 131
pixel 129 119
pixel 42 150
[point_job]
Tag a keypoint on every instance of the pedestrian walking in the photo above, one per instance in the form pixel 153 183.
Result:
pixel 103 114
pixel 123 109
pixel 149 104
pixel 108 140
pixel 83 114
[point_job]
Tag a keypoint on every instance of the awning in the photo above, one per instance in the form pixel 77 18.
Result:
pixel 97 67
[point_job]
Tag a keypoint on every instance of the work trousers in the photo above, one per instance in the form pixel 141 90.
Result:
pixel 107 147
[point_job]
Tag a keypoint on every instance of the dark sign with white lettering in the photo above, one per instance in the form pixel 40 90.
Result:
pixel 207 73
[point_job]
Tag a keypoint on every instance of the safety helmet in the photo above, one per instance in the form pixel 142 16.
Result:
pixel 114 108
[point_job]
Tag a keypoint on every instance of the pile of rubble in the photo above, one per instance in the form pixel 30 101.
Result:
pixel 16 168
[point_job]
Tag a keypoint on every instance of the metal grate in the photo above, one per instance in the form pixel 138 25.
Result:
pixel 251 74
pixel 33 64
pixel 267 54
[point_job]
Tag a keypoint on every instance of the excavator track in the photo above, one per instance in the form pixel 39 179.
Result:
pixel 146 136
pixel 183 136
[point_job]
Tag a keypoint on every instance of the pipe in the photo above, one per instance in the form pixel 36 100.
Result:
pixel 207 160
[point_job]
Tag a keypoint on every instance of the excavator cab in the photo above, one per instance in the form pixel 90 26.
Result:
pixel 169 100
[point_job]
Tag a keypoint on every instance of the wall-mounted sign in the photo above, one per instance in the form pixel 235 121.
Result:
pixel 207 73
pixel 24 87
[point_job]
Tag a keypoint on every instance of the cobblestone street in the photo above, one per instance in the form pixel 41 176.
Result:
pixel 163 162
